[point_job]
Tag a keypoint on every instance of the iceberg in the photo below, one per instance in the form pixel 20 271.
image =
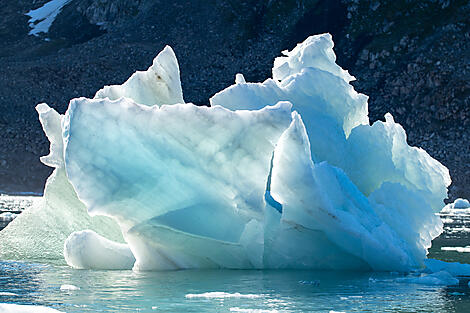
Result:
pixel 287 173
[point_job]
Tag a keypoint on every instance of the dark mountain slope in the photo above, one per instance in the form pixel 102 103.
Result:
pixel 411 57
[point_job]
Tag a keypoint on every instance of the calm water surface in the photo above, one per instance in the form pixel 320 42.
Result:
pixel 245 291
pixel 237 290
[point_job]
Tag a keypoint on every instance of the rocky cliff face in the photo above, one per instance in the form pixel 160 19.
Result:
pixel 411 57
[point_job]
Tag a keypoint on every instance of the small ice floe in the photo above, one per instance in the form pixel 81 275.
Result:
pixel 456 230
pixel 7 217
pixel 8 294
pixel 69 288
pixel 315 283
pixel 441 278
pixel 17 308
pixel 221 295
pixel 447 220
pixel 237 309
pixel 350 297
pixel 458 249
pixel 454 268
pixel 459 206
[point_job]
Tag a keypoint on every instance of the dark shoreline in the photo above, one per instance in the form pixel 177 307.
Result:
pixel 411 58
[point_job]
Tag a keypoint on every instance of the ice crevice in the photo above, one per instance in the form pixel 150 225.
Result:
pixel 287 173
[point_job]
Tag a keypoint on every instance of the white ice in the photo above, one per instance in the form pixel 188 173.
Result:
pixel 159 84
pixel 242 310
pixel 69 287
pixel 7 217
pixel 287 173
pixel 457 249
pixel 459 206
pixel 196 193
pixel 42 18
pixel 221 295
pixel 40 231
pixel 18 308
pixel 88 250
pixel 441 278
pixel 453 268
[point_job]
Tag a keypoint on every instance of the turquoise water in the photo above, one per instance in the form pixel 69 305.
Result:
pixel 259 291
pixel 238 290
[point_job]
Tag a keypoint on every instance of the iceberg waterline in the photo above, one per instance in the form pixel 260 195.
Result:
pixel 186 185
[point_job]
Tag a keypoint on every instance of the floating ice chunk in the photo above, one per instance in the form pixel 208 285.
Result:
pixel 69 288
pixel 454 268
pixel 17 308
pixel 219 294
pixel 43 17
pixel 457 249
pixel 438 278
pixel 9 294
pixel 315 283
pixel 187 185
pixel 159 84
pixel 88 250
pixel 461 204
pixel 7 217
pixel 237 309
pixel 450 208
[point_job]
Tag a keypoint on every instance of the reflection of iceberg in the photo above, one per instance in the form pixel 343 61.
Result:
pixel 187 185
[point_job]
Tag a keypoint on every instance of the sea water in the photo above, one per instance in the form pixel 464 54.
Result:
pixel 68 290
pixel 221 291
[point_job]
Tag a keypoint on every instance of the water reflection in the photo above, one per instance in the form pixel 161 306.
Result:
pixel 282 291
pixel 277 291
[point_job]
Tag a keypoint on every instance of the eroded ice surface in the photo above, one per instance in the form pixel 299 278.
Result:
pixel 40 231
pixel 86 249
pixel 187 184
pixel 159 84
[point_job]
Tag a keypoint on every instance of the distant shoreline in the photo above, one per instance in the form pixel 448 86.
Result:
pixel 20 193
